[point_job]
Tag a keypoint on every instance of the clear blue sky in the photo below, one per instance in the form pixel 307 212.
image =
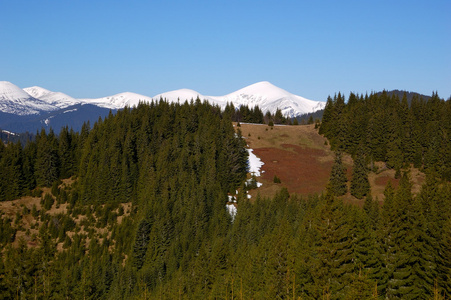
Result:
pixel 89 48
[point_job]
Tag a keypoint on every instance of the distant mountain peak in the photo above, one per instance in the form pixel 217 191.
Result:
pixel 16 101
pixel 9 91
pixel 57 99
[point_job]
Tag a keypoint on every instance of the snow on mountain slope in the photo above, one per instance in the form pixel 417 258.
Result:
pixel 118 101
pixel 269 98
pixel 264 94
pixel 57 99
pixel 16 101
pixel 181 95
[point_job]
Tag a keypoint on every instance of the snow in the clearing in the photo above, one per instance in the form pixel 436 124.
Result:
pixel 231 208
pixel 255 163
pixel 249 182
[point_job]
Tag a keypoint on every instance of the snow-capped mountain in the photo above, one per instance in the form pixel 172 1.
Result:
pixel 181 95
pixel 270 98
pixel 33 108
pixel 267 96
pixel 57 99
pixel 14 100
pixel 264 94
pixel 118 101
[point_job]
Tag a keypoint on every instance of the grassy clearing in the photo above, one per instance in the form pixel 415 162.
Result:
pixel 302 159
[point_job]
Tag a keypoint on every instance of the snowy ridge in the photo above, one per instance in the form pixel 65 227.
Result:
pixel 16 101
pixel 264 94
pixel 181 96
pixel 57 99
pixel 118 101
pixel 35 100
pixel 270 98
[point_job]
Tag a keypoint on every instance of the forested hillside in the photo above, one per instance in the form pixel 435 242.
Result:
pixel 386 128
pixel 135 208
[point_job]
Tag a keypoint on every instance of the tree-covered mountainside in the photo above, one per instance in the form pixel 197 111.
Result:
pixel 386 128
pixel 135 208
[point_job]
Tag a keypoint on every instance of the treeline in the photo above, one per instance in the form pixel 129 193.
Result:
pixel 255 115
pixel 40 162
pixel 386 128
pixel 8 137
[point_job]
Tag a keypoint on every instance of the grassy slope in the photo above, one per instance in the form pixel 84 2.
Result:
pixel 302 159
pixel 28 226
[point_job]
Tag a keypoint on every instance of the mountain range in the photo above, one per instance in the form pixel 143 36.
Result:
pixel 32 108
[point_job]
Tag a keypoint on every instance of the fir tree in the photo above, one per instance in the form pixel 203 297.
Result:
pixel 338 180
pixel 360 186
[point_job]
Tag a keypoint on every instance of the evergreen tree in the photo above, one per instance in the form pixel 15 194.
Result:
pixel 360 186
pixel 338 180
pixel 47 161
pixel 333 264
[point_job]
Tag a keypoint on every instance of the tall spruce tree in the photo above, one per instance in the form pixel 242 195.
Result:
pixel 338 180
pixel 333 264
pixel 360 186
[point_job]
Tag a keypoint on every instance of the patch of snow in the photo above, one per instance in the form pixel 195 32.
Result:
pixel 255 163
pixel 249 182
pixel 231 208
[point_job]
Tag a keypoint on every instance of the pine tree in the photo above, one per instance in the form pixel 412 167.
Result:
pixel 333 263
pixel 409 256
pixel 47 161
pixel 338 180
pixel 360 186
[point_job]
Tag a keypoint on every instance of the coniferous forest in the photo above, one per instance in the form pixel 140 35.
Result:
pixel 134 207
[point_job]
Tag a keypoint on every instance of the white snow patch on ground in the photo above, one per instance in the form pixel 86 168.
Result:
pixel 249 182
pixel 255 163
pixel 232 210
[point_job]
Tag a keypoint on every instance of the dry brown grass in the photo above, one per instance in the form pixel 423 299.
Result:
pixel 28 226
pixel 302 159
